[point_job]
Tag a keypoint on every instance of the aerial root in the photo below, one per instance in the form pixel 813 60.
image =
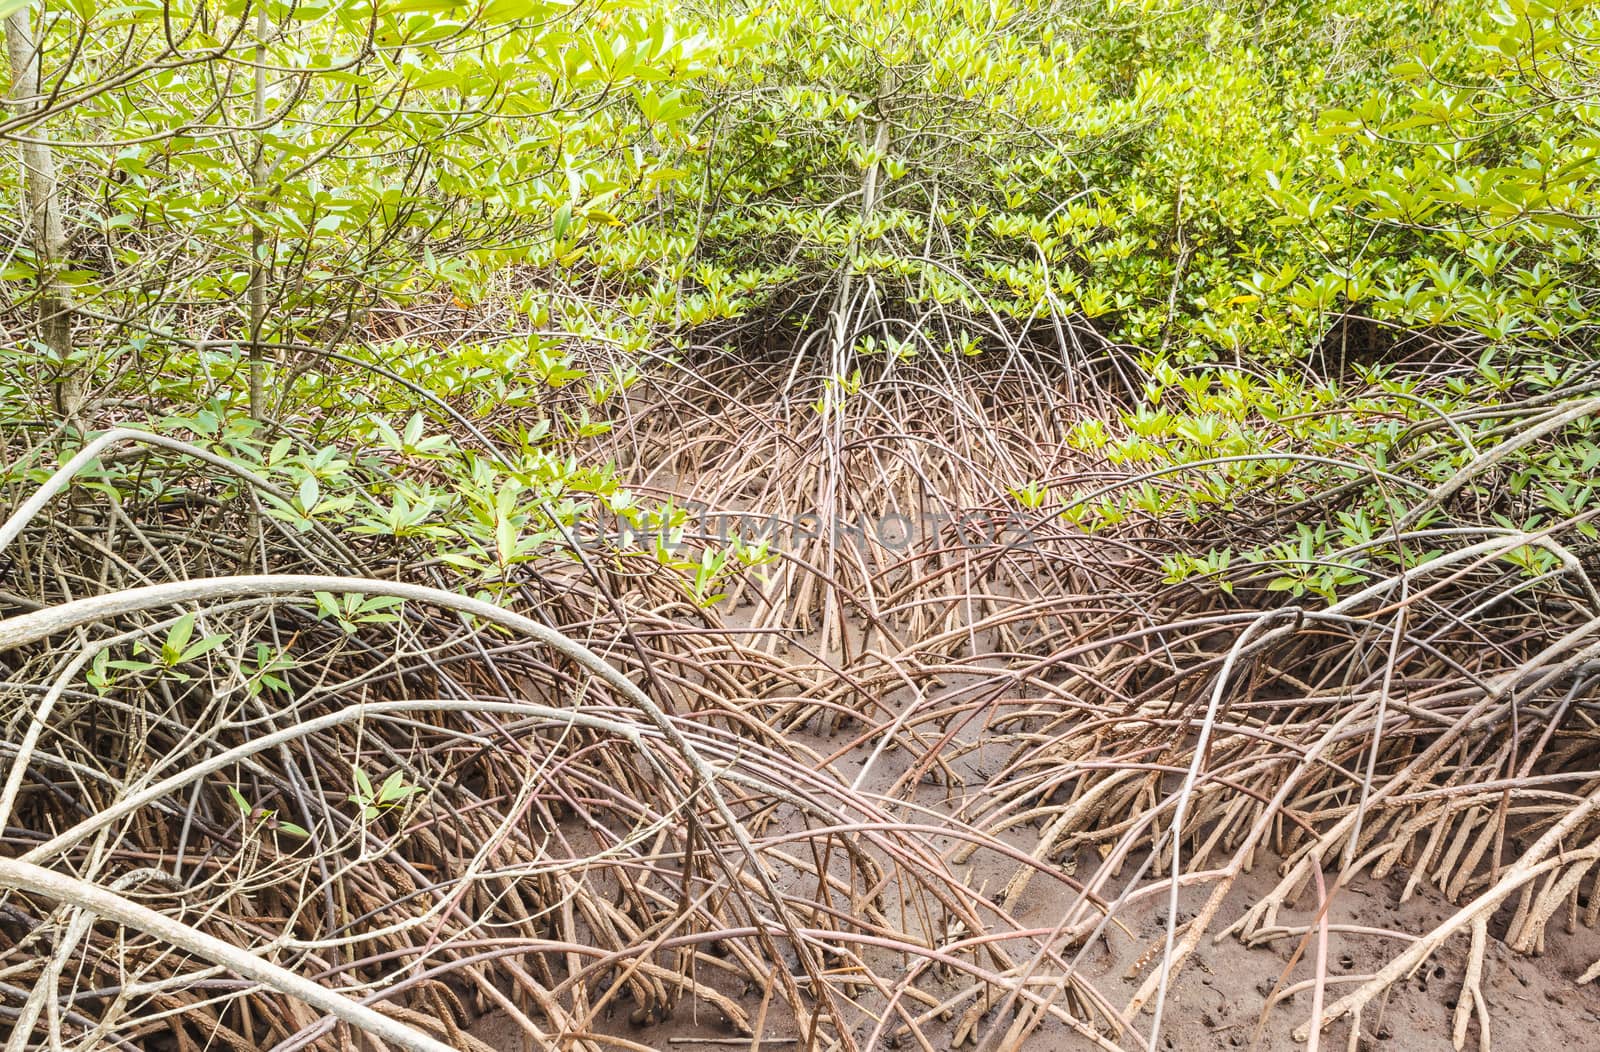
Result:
pixel 1471 999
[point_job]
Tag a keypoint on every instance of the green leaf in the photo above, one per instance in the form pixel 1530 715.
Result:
pixel 177 639
pixel 205 646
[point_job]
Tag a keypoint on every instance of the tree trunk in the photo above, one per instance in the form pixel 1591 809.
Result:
pixel 41 215
pixel 258 236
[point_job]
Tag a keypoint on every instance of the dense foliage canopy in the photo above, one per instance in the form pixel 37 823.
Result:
pixel 1134 190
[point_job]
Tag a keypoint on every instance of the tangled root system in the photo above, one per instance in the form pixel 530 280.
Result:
pixel 599 804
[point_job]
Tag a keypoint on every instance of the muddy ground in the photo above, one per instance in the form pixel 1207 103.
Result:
pixel 1217 1000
